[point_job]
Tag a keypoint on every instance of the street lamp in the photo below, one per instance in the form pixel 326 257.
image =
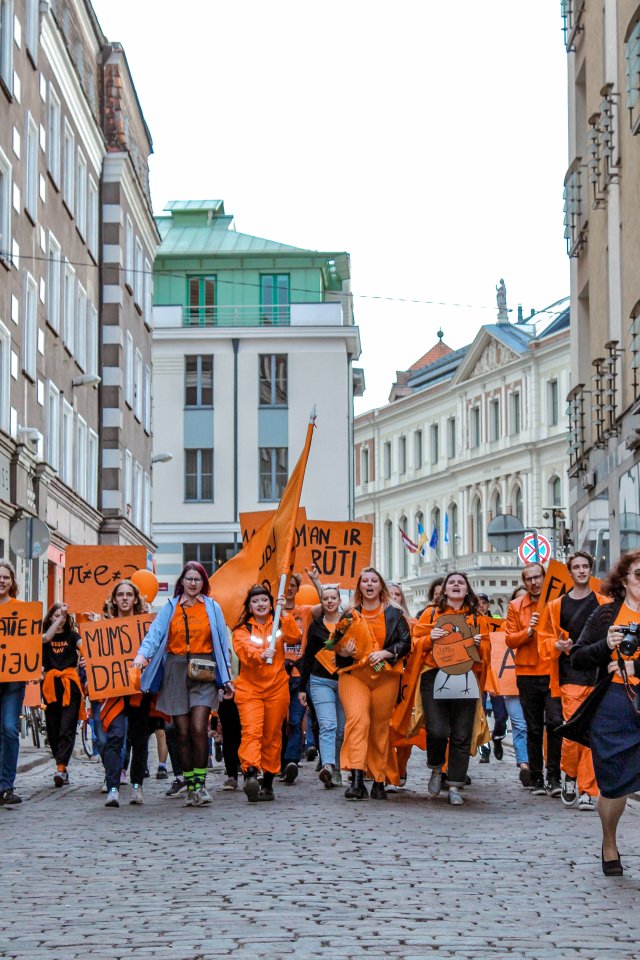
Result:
pixel 163 457
pixel 86 380
pixel 559 527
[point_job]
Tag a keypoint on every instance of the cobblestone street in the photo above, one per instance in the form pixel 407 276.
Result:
pixel 505 876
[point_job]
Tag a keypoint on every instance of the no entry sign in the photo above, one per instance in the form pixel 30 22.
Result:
pixel 527 549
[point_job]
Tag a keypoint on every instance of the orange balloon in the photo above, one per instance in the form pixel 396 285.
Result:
pixel 307 595
pixel 147 584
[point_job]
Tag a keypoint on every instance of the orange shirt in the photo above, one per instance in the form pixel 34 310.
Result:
pixel 530 660
pixel 199 631
pixel 376 620
pixel 626 615
pixel 249 642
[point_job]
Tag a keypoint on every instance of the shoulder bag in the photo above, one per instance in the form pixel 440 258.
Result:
pixel 202 669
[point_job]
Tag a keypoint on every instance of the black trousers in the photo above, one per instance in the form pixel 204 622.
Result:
pixel 447 722
pixel 62 723
pixel 171 735
pixel 231 736
pixel 541 711
pixel 132 722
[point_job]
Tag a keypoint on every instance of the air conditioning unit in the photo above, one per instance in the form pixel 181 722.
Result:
pixel 588 480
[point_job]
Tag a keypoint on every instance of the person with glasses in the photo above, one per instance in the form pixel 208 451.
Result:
pixel 533 668
pixel 610 720
pixel 191 624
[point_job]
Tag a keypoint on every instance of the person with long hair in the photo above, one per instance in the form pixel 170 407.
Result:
pixel 611 715
pixel 319 683
pixel 262 689
pixel 450 722
pixel 191 624
pixel 61 687
pixel 11 697
pixel 369 685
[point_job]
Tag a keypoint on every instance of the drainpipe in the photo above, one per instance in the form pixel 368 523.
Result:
pixel 235 343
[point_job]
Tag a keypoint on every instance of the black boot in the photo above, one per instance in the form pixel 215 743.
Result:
pixel 357 790
pixel 266 790
pixel 378 791
pixel 251 786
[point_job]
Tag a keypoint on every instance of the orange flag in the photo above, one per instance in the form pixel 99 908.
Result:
pixel 270 552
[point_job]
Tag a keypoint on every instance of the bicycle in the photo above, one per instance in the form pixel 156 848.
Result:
pixel 34 722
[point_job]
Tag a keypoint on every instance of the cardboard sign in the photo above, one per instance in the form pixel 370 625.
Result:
pixel 20 641
pixel 340 549
pixel 32 695
pixel 503 662
pixel 558 581
pixel 109 648
pixel 91 572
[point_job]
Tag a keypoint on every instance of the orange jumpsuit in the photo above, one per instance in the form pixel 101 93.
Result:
pixel 262 692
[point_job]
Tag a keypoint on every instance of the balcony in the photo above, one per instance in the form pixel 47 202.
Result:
pixel 325 314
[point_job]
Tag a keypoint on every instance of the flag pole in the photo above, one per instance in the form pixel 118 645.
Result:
pixel 286 558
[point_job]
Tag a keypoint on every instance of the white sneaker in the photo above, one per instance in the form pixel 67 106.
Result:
pixel 113 799
pixel 104 788
pixel 454 797
pixel 136 793
pixel 586 802
pixel 203 797
pixel 569 793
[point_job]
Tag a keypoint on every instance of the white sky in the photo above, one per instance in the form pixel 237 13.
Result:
pixel 426 138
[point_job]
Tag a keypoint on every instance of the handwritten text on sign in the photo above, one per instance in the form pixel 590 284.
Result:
pixel 92 572
pixel 109 648
pixel 20 641
pixel 340 549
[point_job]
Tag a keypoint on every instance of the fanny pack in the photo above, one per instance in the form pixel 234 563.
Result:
pixel 202 669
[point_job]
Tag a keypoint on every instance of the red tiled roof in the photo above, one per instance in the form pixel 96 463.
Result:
pixel 440 350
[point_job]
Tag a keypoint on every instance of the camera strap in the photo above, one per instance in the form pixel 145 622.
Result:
pixel 631 693
pixel 186 630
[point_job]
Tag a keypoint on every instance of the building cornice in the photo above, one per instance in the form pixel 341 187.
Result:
pixel 119 169
pixel 349 334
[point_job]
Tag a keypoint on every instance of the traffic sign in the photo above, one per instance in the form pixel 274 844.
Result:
pixel 505 532
pixel 29 538
pixel 527 549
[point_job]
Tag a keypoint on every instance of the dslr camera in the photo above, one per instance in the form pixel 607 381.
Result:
pixel 630 643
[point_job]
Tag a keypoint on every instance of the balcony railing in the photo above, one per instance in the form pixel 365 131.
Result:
pixel 322 314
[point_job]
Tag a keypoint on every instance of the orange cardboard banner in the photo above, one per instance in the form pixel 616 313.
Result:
pixel 32 695
pixel 339 548
pixel 109 648
pixel 20 641
pixel 503 662
pixel 558 581
pixel 92 571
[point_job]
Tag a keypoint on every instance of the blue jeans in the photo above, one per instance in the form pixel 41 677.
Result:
pixel 99 735
pixel 518 728
pixel 293 749
pixel 324 693
pixel 11 698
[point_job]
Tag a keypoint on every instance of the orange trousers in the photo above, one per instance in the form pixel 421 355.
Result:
pixel 368 700
pixel 261 717
pixel 577 762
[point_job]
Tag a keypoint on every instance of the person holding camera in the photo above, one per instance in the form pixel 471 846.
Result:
pixel 610 642
pixel 561 624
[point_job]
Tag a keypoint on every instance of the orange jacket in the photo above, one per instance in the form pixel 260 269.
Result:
pixel 549 631
pixel 249 642
pixel 478 624
pixel 529 661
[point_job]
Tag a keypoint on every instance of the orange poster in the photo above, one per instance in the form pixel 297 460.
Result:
pixel 503 662
pixel 92 571
pixel 109 648
pixel 558 581
pixel 20 641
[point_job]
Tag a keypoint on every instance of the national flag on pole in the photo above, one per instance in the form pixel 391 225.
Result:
pixel 446 528
pixel 408 542
pixel 433 542
pixel 422 539
pixel 270 553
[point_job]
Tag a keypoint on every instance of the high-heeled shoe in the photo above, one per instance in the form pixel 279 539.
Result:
pixel 611 868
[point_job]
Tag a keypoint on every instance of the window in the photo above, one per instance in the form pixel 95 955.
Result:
pixel 404 553
pixel 81 457
pixel 92 340
pixel 128 369
pixel 92 469
pixel 68 173
pixel 127 487
pixel 364 462
pixel 68 330
pixel 496 506
pixel 5 378
pixel 92 217
pixel 31 28
pixel 201 303
pixel 453 528
pixel 5 208
pixel 66 471
pixel 198 474
pixel 517 504
pixel 146 398
pixel 81 327
pixel 54 270
pixel 388 548
pixel 137 387
pixel 81 194
pixel 6 43
pixel 200 552
pixel 273 379
pixel 146 505
pixel 128 253
pixel 451 437
pixel 434 435
pixel 514 413
pixel 402 455
pixel 386 460
pixel 147 307
pixel 53 135
pixel 474 427
pixel 477 526
pixel 555 492
pixel 31 167
pixel 417 449
pixel 198 381
pixel 274 472
pixel 274 298
pixel 494 420
pixel 138 279
pixel 30 343
pixel 632 72
pixel 552 401
pixel 138 494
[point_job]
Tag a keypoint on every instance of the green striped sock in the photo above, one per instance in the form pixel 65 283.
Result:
pixel 189 779
pixel 200 774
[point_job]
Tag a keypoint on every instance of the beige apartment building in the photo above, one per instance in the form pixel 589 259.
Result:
pixel 77 243
pixel 602 230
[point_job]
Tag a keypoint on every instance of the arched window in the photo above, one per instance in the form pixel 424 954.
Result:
pixel 477 525
pixel 404 553
pixel 435 525
pixel 388 549
pixel 453 529
pixel 555 492
pixel 518 506
pixel 496 504
pixel 419 525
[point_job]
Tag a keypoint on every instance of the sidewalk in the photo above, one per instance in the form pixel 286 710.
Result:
pixel 31 757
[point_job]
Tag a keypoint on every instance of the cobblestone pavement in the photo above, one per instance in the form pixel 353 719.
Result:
pixel 506 876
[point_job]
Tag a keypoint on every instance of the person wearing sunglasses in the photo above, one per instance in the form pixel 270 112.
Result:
pixel 533 668
pixel 610 717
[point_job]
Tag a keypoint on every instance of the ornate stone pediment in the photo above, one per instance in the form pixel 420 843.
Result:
pixel 494 356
